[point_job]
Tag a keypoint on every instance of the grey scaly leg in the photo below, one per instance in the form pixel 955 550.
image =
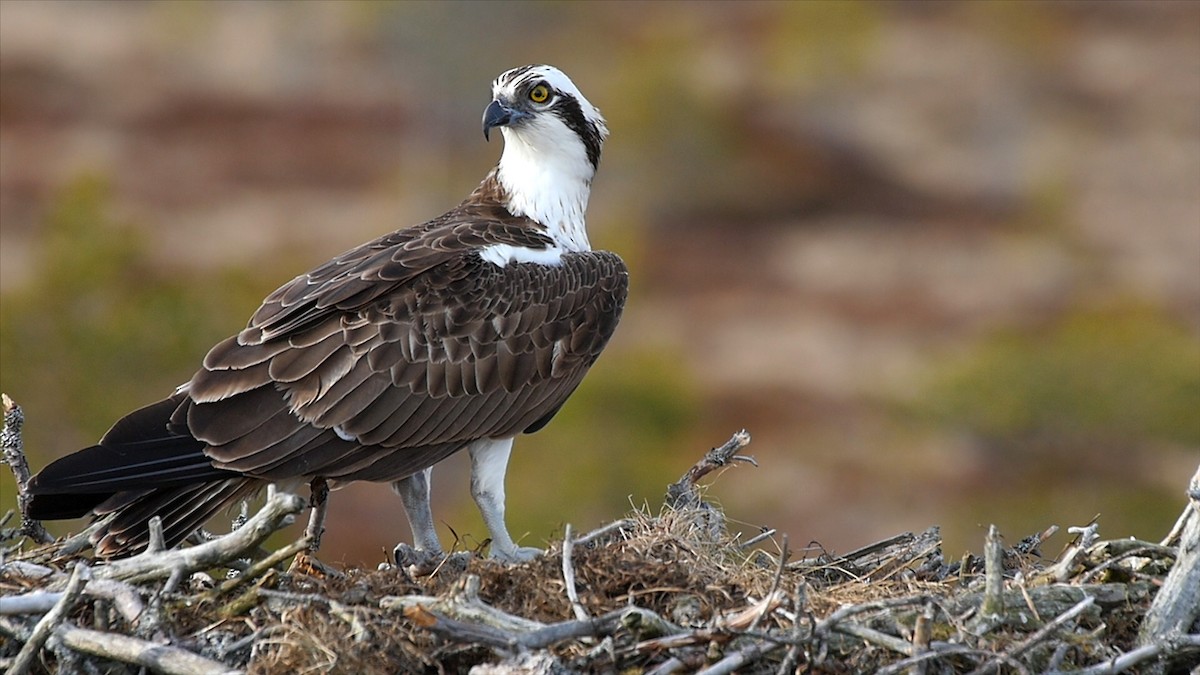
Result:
pixel 489 461
pixel 414 495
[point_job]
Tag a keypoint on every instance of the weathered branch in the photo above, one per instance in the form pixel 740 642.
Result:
pixel 14 456
pixel 568 571
pixel 1176 608
pixel 46 625
pixel 157 657
pixel 682 493
pixel 163 564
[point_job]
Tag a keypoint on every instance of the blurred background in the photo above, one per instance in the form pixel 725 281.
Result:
pixel 941 259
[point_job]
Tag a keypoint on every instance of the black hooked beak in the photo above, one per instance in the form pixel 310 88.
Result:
pixel 499 115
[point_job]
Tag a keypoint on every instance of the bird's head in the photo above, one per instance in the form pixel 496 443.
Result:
pixel 552 142
pixel 542 107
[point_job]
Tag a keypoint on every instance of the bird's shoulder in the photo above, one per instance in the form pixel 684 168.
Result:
pixel 389 264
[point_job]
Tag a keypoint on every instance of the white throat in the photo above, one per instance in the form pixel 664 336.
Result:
pixel 546 173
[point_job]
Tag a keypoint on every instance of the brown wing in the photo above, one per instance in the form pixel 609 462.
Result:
pixel 393 356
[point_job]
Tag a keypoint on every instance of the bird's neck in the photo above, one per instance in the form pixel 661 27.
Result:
pixel 550 189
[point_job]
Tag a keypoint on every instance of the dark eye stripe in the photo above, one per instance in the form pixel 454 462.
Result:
pixel 567 108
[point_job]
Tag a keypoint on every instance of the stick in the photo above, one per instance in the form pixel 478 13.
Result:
pixel 682 492
pixel 123 596
pixel 568 571
pixel 1011 655
pixel 604 531
pixel 740 658
pixel 1128 660
pixel 993 570
pixel 157 657
pixel 147 565
pixel 767 605
pixel 263 565
pixel 14 456
pixel 1177 606
pixel 47 624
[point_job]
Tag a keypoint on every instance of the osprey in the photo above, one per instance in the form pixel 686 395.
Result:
pixel 458 333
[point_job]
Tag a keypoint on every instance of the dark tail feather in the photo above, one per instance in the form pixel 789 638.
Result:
pixel 140 469
pixel 183 510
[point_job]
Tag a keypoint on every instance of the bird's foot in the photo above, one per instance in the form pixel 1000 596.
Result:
pixel 417 562
pixel 515 555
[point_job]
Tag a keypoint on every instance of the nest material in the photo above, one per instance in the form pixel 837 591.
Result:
pixel 670 592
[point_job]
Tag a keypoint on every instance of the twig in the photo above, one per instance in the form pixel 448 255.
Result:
pixel 464 605
pixel 157 657
pixel 1177 606
pixel 1041 634
pixel 123 596
pixel 783 558
pixel 568 571
pixel 46 625
pixel 671 665
pixel 936 650
pixel 922 634
pixel 545 635
pixel 830 622
pixel 1128 660
pixel 991 607
pixel 876 637
pixel 258 568
pixel 682 492
pixel 148 565
pixel 800 603
pixel 767 533
pixel 14 456
pixel 604 531
pixel 740 658
pixel 993 575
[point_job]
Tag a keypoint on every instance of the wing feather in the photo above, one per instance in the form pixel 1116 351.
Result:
pixel 409 348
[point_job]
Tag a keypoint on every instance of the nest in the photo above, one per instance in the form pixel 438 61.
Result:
pixel 665 592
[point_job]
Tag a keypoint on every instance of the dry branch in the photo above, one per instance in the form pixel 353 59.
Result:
pixel 51 620
pixel 682 493
pixel 162 564
pixel 14 456
pixel 159 658
pixel 1176 608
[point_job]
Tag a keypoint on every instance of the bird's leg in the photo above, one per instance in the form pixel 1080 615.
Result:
pixel 319 502
pixel 414 495
pixel 489 461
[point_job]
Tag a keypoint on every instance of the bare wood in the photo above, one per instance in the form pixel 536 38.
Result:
pixel 1041 634
pixel 993 562
pixel 740 658
pixel 568 571
pixel 157 657
pixel 123 596
pixel 829 623
pixel 464 605
pixel 1128 660
pixel 875 637
pixel 682 492
pixel 1177 606
pixel 259 568
pixel 766 605
pixel 46 625
pixel 604 530
pixel 146 566
pixel 14 456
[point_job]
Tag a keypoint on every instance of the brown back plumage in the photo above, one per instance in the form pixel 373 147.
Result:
pixel 410 345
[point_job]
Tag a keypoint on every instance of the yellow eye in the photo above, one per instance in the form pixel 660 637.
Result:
pixel 539 94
